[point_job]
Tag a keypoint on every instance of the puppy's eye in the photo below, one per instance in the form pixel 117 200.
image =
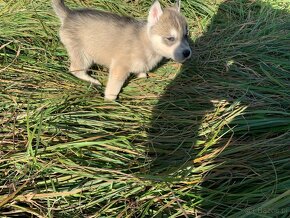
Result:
pixel 170 39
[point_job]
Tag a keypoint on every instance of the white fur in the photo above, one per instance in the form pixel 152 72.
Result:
pixel 173 33
pixel 161 48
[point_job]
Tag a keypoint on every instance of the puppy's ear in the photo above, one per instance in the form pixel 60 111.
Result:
pixel 154 13
pixel 178 5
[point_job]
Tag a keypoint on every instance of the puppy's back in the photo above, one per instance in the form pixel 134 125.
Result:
pixel 101 35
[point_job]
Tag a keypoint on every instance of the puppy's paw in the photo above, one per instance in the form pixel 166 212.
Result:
pixel 110 97
pixel 142 75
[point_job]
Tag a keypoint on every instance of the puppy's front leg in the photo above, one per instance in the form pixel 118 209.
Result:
pixel 117 77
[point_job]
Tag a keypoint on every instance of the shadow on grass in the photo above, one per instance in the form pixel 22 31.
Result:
pixel 239 63
pixel 176 119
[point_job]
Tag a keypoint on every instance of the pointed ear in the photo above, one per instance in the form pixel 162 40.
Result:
pixel 178 5
pixel 154 13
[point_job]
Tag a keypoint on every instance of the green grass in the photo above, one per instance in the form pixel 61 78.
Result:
pixel 209 138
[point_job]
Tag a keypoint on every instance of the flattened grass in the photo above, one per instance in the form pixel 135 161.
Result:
pixel 209 138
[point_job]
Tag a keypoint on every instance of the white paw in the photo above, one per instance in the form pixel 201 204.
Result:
pixel 142 75
pixel 95 82
pixel 110 97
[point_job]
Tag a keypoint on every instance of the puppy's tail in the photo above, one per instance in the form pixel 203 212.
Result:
pixel 60 9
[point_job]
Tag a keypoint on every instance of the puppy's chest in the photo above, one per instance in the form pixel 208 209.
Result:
pixel 144 64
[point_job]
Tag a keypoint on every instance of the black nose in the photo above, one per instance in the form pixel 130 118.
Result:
pixel 186 53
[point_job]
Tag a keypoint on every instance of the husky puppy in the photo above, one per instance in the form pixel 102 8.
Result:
pixel 123 44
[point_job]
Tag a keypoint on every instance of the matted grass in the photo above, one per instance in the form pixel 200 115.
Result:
pixel 209 138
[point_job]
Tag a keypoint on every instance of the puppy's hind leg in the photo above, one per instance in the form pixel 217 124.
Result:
pixel 79 66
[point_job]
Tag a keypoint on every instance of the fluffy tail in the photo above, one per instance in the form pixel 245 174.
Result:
pixel 60 9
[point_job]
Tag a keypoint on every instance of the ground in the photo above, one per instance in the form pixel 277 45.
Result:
pixel 209 138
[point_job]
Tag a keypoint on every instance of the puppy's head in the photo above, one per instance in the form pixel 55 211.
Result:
pixel 168 32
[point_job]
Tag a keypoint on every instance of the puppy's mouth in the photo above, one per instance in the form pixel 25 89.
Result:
pixel 181 60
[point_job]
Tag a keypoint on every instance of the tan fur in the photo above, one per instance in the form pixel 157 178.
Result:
pixel 122 44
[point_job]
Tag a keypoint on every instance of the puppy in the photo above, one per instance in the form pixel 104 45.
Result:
pixel 123 44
